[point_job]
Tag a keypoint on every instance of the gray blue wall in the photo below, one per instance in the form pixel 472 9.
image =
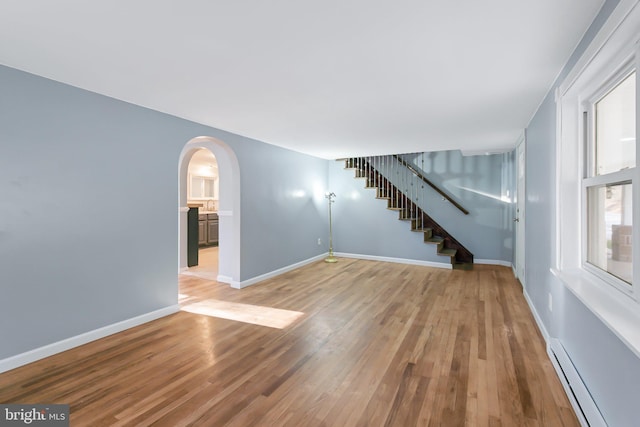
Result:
pixel 484 185
pixel 89 209
pixel 283 207
pixel 364 226
pixel 609 369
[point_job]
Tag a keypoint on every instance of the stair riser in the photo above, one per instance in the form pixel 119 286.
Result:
pixel 408 210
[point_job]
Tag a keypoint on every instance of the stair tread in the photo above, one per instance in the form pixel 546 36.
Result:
pixel 449 252
pixel 408 212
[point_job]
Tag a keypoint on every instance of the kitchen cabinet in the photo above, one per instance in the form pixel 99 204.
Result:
pixel 212 230
pixel 202 231
pixel 208 229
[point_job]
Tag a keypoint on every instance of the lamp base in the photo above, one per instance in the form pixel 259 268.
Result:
pixel 331 258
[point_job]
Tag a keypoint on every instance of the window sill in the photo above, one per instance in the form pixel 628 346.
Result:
pixel 617 311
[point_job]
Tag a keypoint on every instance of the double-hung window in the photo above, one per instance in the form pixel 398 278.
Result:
pixel 597 247
pixel 596 252
pixel 609 123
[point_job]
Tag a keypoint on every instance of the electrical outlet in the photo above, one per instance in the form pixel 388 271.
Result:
pixel 550 302
pixel 319 241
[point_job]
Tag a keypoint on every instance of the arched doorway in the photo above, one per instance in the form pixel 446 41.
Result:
pixel 228 207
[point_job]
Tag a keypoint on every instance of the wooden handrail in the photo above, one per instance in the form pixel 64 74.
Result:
pixel 431 184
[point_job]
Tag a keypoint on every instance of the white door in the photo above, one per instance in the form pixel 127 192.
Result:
pixel 520 214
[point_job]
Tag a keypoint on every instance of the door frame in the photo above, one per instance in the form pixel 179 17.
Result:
pixel 519 211
pixel 228 207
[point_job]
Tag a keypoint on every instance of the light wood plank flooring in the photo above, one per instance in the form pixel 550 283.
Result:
pixel 377 344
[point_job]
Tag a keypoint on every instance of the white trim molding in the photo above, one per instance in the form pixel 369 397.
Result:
pixel 244 283
pixel 78 340
pixel 537 318
pixel 274 273
pixel 615 310
pixel 225 279
pixel 605 60
pixel 605 36
pixel 444 265
pixel 493 262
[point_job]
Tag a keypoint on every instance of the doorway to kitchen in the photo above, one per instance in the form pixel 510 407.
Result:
pixel 209 178
pixel 202 194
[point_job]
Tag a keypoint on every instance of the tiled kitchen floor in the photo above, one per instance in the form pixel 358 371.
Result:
pixel 207 267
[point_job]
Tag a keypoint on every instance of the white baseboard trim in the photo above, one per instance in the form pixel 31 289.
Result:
pixel 244 283
pixel 78 340
pixel 396 260
pixel 224 279
pixel 493 262
pixel 274 273
pixel 538 319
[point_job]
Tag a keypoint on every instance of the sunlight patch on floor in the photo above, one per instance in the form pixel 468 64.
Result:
pixel 247 313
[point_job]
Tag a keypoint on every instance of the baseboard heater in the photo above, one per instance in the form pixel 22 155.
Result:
pixel 581 400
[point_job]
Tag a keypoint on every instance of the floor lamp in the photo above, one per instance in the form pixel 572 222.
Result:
pixel 330 258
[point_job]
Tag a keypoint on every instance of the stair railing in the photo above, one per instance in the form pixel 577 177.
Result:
pixel 430 184
pixel 404 176
pixel 404 187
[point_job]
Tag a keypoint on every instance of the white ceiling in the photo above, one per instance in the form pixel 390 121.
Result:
pixel 330 78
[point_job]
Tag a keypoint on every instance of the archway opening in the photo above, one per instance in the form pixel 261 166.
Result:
pixel 227 207
pixel 202 192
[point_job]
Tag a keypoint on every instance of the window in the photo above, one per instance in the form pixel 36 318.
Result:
pixel 615 128
pixel 202 187
pixel 610 160
pixel 609 225
pixel 598 179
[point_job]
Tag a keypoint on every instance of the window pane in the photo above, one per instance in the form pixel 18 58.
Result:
pixel 609 225
pixel 616 128
pixel 197 187
pixel 209 191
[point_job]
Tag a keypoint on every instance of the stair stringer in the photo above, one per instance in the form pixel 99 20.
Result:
pixel 446 244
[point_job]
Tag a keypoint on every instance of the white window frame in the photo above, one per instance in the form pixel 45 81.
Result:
pixel 588 170
pixel 615 47
pixel 202 191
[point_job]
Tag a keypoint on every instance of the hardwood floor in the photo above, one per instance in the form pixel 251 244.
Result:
pixel 378 344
